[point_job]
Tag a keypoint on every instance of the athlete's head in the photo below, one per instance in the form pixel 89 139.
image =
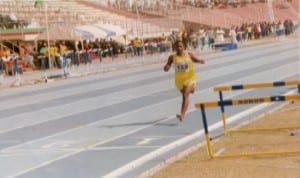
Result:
pixel 179 46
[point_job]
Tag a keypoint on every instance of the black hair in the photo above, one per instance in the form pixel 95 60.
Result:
pixel 177 42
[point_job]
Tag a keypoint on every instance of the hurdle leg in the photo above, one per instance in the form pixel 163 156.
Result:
pixel 223 112
pixel 207 137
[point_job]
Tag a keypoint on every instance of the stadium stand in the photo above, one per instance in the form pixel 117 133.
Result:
pixel 221 15
pixel 76 13
pixel 151 19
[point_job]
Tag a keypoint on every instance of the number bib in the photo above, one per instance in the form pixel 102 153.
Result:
pixel 181 66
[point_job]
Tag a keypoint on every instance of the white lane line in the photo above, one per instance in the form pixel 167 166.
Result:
pixel 151 155
pixel 10 141
pixel 140 161
pixel 159 136
pixel 20 101
pixel 220 56
pixel 238 67
pixel 62 157
pixel 35 152
pixel 111 119
pixel 146 141
pixel 258 49
pixel 81 150
pixel 80 106
pixel 91 78
pixel 59 144
pixel 70 92
pixel 26 100
pixel 123 147
pixel 43 151
pixel 137 110
pixel 57 112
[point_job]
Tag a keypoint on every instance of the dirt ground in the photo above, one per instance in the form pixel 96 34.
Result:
pixel 198 164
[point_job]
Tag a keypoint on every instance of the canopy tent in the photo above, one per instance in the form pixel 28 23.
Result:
pixel 94 31
pixel 111 30
pixel 84 35
pixel 108 32
pixel 84 32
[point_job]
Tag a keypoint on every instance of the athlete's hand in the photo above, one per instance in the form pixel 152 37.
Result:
pixel 201 61
pixel 167 67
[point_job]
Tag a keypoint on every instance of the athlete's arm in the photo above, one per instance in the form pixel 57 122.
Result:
pixel 195 59
pixel 168 64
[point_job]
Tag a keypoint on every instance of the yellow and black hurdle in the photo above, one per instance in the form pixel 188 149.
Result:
pixel 257 100
pixel 221 89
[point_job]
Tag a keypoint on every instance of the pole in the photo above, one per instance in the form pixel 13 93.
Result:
pixel 1 62
pixel 137 17
pixel 297 32
pixel 139 20
pixel 119 7
pixel 223 111
pixel 271 13
pixel 207 137
pixel 298 36
pixel 48 36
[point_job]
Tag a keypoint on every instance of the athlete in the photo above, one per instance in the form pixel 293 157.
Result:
pixel 185 75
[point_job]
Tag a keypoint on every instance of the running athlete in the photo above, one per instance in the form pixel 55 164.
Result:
pixel 185 75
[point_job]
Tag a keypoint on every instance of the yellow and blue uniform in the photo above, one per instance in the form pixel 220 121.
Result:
pixel 185 74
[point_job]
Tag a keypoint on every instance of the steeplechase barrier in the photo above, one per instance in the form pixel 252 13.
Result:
pixel 242 101
pixel 221 89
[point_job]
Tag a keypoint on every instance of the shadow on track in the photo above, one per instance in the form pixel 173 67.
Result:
pixel 158 122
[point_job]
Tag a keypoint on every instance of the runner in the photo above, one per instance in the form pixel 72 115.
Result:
pixel 185 75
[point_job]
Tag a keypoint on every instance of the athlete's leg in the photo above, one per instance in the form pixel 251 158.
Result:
pixel 192 88
pixel 185 92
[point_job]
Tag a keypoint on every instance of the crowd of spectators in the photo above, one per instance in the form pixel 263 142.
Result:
pixel 173 4
pixel 238 34
pixel 59 52
pixel 206 37
pixel 76 52
pixel 55 54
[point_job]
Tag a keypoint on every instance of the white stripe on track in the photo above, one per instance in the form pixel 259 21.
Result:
pixel 75 153
pixel 126 113
pixel 138 162
pixel 81 150
pixel 143 159
pixel 84 105
pixel 20 101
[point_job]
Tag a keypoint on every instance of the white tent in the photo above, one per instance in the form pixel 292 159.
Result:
pixel 96 32
pixel 111 30
pixel 84 35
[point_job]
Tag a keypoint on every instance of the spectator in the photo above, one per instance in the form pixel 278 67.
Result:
pixel 220 35
pixel 232 35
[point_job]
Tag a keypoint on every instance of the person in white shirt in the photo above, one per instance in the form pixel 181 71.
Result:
pixel 232 35
pixel 220 35
pixel 202 34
